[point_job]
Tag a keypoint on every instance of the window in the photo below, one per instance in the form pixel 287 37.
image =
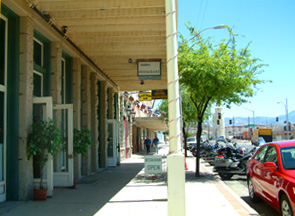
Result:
pixel 38 52
pixel 288 157
pixel 38 75
pixel 260 155
pixel 38 84
pixel 271 155
pixel 41 62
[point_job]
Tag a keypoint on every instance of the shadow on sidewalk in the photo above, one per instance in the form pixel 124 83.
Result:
pixel 91 193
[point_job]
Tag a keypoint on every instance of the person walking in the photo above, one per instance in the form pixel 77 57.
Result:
pixel 147 143
pixel 156 142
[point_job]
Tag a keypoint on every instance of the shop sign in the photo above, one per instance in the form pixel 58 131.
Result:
pixel 149 69
pixel 152 164
pixel 145 96
pixel 159 94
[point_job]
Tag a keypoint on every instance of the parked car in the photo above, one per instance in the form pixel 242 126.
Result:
pixel 191 142
pixel 271 176
pixel 220 139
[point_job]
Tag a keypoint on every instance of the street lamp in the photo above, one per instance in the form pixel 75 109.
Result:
pixel 287 116
pixel 253 115
pixel 212 27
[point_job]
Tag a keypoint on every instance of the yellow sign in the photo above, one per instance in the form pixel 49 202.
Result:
pixel 146 96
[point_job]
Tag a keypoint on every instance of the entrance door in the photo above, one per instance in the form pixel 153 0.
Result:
pixel 64 162
pixel 112 142
pixel 42 110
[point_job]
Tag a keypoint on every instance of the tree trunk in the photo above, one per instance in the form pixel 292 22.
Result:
pixel 184 134
pixel 199 132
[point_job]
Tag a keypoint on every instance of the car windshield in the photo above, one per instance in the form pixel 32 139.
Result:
pixel 288 157
pixel 192 139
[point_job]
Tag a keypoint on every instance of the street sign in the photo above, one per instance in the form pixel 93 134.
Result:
pixel 251 125
pixel 159 94
pixel 146 96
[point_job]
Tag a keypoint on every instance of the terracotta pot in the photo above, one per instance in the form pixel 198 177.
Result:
pixel 40 194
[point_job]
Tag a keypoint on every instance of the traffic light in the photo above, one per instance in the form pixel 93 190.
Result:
pixel 219 115
pixel 277 119
pixel 217 121
pixel 230 122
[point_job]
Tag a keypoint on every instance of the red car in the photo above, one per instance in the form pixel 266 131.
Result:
pixel 271 176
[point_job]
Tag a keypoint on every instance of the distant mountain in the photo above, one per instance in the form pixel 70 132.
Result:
pixel 261 120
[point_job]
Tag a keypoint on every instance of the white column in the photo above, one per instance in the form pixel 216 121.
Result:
pixel 175 159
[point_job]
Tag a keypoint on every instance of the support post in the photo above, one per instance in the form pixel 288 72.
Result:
pixel 175 159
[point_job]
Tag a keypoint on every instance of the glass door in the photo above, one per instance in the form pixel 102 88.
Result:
pixel 112 142
pixel 3 73
pixel 64 161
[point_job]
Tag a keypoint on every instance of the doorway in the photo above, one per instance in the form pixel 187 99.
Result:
pixel 112 142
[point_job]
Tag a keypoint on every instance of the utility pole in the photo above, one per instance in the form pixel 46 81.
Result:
pixel 233 126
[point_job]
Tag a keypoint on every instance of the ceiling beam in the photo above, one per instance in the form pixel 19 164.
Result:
pixel 132 12
pixel 51 5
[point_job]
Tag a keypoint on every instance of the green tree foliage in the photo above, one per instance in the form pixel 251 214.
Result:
pixel 188 110
pixel 81 141
pixel 216 74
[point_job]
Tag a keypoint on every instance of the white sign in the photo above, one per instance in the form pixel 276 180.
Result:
pixel 153 164
pixel 149 68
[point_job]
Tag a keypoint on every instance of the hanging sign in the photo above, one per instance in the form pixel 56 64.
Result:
pixel 159 94
pixel 146 96
pixel 149 69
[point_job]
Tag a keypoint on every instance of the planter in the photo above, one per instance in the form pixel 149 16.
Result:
pixel 40 194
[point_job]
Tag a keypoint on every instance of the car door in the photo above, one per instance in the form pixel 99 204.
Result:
pixel 257 169
pixel 269 178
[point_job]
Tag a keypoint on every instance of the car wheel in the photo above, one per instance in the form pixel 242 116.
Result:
pixel 286 209
pixel 225 176
pixel 254 198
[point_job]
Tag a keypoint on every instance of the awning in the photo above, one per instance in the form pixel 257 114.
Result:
pixel 152 123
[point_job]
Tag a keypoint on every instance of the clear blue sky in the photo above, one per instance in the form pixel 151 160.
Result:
pixel 270 25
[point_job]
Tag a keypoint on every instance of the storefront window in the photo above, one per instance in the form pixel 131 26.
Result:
pixel 38 53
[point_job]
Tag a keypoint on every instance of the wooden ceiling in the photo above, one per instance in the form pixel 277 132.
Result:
pixel 110 32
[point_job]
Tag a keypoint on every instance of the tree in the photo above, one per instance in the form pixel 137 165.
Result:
pixel 188 111
pixel 216 73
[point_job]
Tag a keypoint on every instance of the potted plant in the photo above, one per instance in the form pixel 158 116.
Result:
pixel 45 140
pixel 81 141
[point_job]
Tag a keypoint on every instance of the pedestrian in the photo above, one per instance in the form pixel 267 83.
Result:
pixel 147 143
pixel 156 142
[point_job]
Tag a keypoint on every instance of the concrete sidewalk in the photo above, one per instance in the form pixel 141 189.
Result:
pixel 126 191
